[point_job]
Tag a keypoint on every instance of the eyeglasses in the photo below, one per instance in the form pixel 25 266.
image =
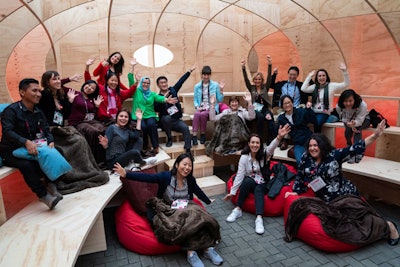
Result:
pixel 145 83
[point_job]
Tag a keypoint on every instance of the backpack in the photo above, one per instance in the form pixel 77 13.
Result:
pixel 376 118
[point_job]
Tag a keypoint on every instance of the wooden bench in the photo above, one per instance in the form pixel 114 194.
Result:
pixel 5 172
pixel 37 236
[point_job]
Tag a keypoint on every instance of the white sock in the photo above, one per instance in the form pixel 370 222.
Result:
pixel 151 160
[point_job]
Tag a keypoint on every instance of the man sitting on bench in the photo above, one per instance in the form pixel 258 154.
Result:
pixel 25 125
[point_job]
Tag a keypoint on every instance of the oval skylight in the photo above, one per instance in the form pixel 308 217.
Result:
pixel 161 57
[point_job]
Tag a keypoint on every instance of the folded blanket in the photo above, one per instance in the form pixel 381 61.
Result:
pixel 347 218
pixel 76 150
pixel 192 228
pixel 231 134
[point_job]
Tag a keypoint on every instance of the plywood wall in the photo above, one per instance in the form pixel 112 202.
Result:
pixel 47 34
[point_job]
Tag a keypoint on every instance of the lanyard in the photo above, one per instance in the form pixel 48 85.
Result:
pixel 176 184
pixel 27 123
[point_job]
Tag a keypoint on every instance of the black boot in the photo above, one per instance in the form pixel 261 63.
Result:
pixel 194 140
pixel 202 138
pixel 169 142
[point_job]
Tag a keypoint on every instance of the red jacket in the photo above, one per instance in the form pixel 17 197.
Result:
pixel 101 72
pixel 102 113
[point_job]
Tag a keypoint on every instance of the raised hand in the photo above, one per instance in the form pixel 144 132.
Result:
pixel 75 77
pixel 71 95
pixel 90 60
pixel 104 62
pixel 119 169
pixel 98 100
pixel 342 66
pixel 380 127
pixel 192 68
pixel 247 97
pixel 311 73
pixel 138 114
pixel 221 85
pixel 283 130
pixel 138 76
pixel 269 59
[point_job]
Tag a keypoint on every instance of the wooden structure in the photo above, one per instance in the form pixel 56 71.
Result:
pixel 43 35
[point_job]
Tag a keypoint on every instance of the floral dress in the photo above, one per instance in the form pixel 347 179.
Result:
pixel 330 171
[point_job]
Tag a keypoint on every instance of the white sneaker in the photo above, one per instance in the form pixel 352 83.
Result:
pixel 151 160
pixel 259 226
pixel 236 213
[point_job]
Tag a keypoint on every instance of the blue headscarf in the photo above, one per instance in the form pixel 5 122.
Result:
pixel 146 93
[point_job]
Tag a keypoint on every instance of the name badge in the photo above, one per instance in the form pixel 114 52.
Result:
pixel 179 204
pixel 40 142
pixel 89 117
pixel 258 107
pixel 259 179
pixel 58 117
pixel 172 110
pixel 317 184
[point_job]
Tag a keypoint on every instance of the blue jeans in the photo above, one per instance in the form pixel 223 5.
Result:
pixel 298 152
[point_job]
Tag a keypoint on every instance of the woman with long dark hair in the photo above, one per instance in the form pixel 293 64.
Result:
pixel 320 169
pixel 323 93
pixel 123 144
pixel 177 185
pixel 249 177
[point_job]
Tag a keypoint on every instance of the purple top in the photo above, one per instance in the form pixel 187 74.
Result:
pixel 80 107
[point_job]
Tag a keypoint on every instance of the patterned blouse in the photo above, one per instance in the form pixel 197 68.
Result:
pixel 330 171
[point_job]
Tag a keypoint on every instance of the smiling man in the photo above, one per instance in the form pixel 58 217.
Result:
pixel 25 125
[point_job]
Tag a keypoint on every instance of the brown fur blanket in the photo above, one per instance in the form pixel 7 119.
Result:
pixel 85 172
pixel 231 134
pixel 192 228
pixel 348 219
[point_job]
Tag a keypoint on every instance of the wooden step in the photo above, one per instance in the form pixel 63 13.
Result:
pixel 212 185
pixel 203 166
pixel 176 136
pixel 177 148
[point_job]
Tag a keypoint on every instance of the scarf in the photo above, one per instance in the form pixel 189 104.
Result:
pixel 146 93
pixel 112 103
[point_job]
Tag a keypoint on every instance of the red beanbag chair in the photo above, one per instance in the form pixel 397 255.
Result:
pixel 272 207
pixel 312 233
pixel 135 233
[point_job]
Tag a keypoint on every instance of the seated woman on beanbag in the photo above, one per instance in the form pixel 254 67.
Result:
pixel 353 221
pixel 249 177
pixel 176 188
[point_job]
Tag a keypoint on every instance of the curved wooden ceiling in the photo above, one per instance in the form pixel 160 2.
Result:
pixel 60 34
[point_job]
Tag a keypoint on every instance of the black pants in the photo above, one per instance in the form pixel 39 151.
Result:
pixel 168 124
pixel 133 153
pixel 249 186
pixel 260 118
pixel 30 170
pixel 149 128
